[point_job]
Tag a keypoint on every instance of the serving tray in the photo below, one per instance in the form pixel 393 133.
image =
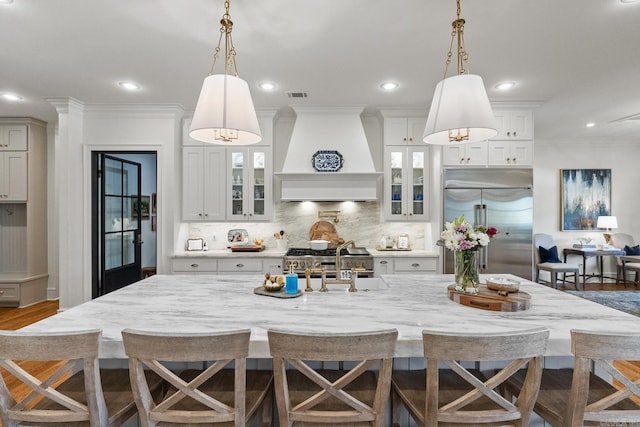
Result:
pixel 247 248
pixel 327 161
pixel 491 300
pixel 260 290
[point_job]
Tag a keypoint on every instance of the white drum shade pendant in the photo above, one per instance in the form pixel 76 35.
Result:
pixel 460 107
pixel 225 113
pixel 460 111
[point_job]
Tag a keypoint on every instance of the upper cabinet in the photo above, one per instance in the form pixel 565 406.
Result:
pixel 249 184
pixel 404 130
pixel 406 183
pixel 512 146
pixel 514 124
pixel 228 183
pixel 13 138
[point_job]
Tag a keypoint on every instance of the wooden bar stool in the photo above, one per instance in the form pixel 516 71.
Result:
pixel 147 272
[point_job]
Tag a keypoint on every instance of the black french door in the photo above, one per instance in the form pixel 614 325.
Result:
pixel 117 226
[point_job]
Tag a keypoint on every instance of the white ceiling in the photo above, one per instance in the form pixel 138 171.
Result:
pixel 579 58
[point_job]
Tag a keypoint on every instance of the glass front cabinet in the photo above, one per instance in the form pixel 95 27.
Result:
pixel 249 184
pixel 406 183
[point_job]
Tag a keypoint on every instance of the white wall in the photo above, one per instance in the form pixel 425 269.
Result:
pixel 81 130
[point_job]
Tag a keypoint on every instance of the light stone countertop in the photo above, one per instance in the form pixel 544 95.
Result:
pixel 411 303
pixel 275 253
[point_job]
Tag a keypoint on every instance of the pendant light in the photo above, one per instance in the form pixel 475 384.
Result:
pixel 460 111
pixel 225 113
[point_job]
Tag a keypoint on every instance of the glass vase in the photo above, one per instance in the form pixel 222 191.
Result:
pixel 466 271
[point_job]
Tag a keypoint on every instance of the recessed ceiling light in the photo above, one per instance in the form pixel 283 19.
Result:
pixel 629 1
pixel 590 124
pixel 11 97
pixel 389 85
pixel 267 86
pixel 129 85
pixel 505 85
pixel 6 1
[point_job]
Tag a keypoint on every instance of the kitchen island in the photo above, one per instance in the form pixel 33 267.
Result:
pixel 409 303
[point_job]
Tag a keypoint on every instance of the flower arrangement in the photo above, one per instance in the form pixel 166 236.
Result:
pixel 465 240
pixel 462 236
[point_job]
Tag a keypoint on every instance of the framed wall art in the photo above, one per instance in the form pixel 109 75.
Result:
pixel 585 195
pixel 144 207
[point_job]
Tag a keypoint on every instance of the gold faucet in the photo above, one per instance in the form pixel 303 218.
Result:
pixel 337 280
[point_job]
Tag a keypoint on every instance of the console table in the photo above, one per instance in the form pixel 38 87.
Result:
pixel 588 253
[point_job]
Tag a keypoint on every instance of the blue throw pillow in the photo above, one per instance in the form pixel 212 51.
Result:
pixel 632 251
pixel 549 255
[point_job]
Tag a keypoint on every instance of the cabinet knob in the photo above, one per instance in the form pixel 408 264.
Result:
pixel 461 160
pixel 404 139
pixel 206 214
pixel 240 265
pixel 410 213
pixel 199 214
pixel 508 159
pixel 410 139
pixel 195 265
pixel 515 133
pixel 468 159
pixel 250 214
pixel 508 133
pixel 513 160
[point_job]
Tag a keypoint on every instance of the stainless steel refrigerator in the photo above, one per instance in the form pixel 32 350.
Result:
pixel 500 198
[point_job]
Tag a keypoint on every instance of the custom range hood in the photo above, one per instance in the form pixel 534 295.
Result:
pixel 328 158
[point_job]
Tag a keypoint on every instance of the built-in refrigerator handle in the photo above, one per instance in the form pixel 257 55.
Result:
pixel 480 213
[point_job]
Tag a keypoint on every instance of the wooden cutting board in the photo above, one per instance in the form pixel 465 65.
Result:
pixel 324 230
pixel 490 300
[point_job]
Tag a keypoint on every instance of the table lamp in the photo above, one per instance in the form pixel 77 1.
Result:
pixel 607 222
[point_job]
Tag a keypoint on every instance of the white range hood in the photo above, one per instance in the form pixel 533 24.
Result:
pixel 335 131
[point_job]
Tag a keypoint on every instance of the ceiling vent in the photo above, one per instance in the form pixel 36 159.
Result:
pixel 297 94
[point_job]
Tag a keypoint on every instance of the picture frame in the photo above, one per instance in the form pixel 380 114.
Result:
pixel 144 207
pixel 195 244
pixel 585 195
pixel 154 203
pixel 154 223
pixel 403 241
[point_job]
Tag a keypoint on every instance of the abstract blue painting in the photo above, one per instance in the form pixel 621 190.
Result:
pixel 586 195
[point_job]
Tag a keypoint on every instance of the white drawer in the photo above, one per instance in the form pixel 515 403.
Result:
pixel 240 265
pixel 10 292
pixel 416 264
pixel 195 265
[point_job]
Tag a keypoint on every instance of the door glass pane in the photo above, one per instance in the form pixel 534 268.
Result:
pixel 130 179
pixel 237 175
pixel 112 213
pixel 396 182
pixel 112 250
pixel 418 182
pixel 112 177
pixel 258 182
pixel 128 248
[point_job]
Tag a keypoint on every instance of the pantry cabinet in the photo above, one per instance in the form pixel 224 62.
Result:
pixel 13 176
pixel 406 183
pixel 13 138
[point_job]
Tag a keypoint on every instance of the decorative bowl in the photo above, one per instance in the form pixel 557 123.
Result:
pixel 318 245
pixel 272 287
pixel 503 285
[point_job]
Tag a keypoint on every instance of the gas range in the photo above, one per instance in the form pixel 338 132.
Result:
pixel 303 258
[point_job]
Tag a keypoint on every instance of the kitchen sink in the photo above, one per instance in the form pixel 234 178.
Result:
pixel 364 284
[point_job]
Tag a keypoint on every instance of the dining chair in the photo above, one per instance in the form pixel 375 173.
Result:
pixel 465 396
pixel 622 241
pixel 552 264
pixel 74 390
pixel 586 396
pixel 314 393
pixel 207 396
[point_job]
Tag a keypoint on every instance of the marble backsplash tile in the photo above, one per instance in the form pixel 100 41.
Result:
pixel 358 221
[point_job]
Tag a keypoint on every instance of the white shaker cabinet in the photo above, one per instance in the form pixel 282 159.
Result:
pixel 511 153
pixel 406 183
pixel 13 176
pixel 469 154
pixel 404 130
pixel 203 185
pixel 513 124
pixel 13 137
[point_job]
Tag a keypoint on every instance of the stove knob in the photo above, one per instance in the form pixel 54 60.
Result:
pixel 316 264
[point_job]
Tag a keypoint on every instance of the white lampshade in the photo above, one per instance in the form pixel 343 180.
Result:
pixel 607 222
pixel 460 102
pixel 225 113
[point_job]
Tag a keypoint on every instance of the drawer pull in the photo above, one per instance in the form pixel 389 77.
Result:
pixel 195 265
pixel 384 262
pixel 240 265
pixel 415 264
pixel 1 292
